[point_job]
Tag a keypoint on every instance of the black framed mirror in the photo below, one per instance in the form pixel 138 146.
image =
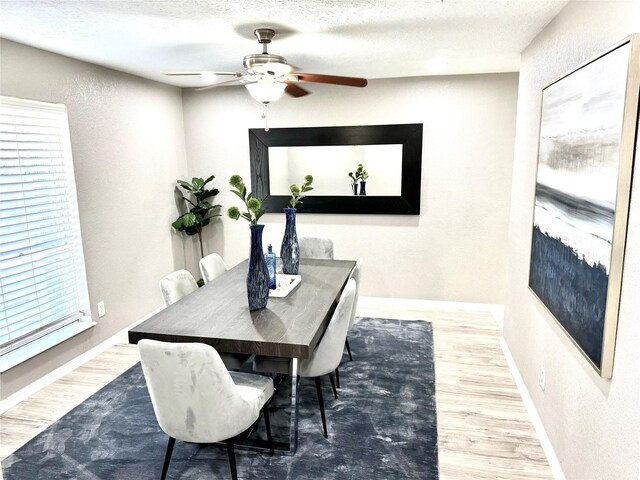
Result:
pixel 392 155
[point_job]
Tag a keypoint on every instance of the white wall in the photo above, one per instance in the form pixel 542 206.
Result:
pixel 593 424
pixel 128 147
pixel 455 249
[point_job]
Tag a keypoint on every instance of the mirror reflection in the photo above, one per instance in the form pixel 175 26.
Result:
pixel 330 166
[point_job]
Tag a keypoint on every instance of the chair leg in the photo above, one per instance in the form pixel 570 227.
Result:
pixel 346 342
pixel 267 424
pixel 338 376
pixel 333 386
pixel 167 457
pixel 232 459
pixel 321 402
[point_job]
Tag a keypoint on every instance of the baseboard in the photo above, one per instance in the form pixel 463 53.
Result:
pixel 547 447
pixel 20 395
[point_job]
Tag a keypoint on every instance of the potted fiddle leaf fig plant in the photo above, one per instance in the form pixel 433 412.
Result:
pixel 201 211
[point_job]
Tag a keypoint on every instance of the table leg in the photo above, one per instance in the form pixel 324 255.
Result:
pixel 280 447
pixel 293 425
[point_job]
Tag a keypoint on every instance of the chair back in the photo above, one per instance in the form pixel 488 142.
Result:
pixel 328 353
pixel 193 395
pixel 212 266
pixel 177 285
pixel 314 247
pixel 355 274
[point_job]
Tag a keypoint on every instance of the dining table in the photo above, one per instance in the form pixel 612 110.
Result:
pixel 290 327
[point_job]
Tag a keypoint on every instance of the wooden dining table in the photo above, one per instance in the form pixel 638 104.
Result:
pixel 218 315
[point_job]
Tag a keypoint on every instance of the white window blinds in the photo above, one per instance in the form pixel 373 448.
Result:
pixel 42 276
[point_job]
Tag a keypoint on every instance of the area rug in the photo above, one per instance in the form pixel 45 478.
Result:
pixel 383 426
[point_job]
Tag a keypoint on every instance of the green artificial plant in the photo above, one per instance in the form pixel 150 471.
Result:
pixel 201 211
pixel 297 191
pixel 360 175
pixel 253 205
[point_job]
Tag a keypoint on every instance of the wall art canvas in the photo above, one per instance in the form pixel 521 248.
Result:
pixel 582 196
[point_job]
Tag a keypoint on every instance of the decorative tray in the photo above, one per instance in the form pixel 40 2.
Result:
pixel 285 284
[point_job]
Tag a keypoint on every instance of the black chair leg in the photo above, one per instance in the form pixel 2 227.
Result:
pixel 232 459
pixel 346 342
pixel 167 457
pixel 267 424
pixel 338 376
pixel 333 386
pixel 321 403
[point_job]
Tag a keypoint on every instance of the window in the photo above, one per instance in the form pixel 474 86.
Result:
pixel 43 285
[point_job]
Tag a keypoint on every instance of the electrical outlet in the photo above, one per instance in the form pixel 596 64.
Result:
pixel 101 310
pixel 543 378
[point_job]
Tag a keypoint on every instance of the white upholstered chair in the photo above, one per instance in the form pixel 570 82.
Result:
pixel 326 357
pixel 179 284
pixel 212 266
pixel 314 247
pixel 197 400
pixel 355 274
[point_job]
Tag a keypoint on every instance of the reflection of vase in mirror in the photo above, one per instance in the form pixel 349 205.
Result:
pixel 363 190
pixel 290 249
pixel 354 187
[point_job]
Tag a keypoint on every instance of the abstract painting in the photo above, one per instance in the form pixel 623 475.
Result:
pixel 585 160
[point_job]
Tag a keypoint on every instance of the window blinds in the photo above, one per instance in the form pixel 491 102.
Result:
pixel 42 276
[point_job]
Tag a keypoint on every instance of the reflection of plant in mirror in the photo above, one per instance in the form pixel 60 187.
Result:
pixel 254 205
pixel 361 175
pixel 297 191
pixel 200 214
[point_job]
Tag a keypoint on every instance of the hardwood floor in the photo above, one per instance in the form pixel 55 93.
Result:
pixel 484 431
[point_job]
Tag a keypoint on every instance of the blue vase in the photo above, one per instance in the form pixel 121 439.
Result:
pixel 363 188
pixel 258 275
pixel 290 249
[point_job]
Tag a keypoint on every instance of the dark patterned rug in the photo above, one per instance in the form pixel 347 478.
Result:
pixel 383 426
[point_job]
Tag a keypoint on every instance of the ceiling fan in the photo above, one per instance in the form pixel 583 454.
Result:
pixel 268 76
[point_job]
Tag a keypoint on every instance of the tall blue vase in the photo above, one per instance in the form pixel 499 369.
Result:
pixel 258 274
pixel 290 249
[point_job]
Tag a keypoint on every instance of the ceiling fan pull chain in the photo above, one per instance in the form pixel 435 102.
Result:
pixel 264 116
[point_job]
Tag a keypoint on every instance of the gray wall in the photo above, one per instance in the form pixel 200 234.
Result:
pixel 128 146
pixel 593 423
pixel 455 249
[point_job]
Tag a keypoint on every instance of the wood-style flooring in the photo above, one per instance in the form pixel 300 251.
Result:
pixel 484 431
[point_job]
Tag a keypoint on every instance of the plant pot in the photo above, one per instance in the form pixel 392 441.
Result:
pixel 290 249
pixel 258 274
pixel 363 188
pixel 354 187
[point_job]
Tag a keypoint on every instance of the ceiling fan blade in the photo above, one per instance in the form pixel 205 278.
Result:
pixel 217 84
pixel 179 74
pixel 295 90
pixel 332 79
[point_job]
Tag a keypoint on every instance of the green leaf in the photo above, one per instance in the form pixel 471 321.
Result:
pixel 189 219
pixel 259 213
pixel 238 194
pixel 208 179
pixel 208 193
pixel 198 183
pixel 185 185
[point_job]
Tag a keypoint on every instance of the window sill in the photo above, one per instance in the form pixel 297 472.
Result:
pixel 31 349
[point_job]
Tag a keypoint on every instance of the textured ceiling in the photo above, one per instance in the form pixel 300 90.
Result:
pixel 368 38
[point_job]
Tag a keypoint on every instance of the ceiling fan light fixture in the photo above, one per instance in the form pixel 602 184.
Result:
pixel 266 91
